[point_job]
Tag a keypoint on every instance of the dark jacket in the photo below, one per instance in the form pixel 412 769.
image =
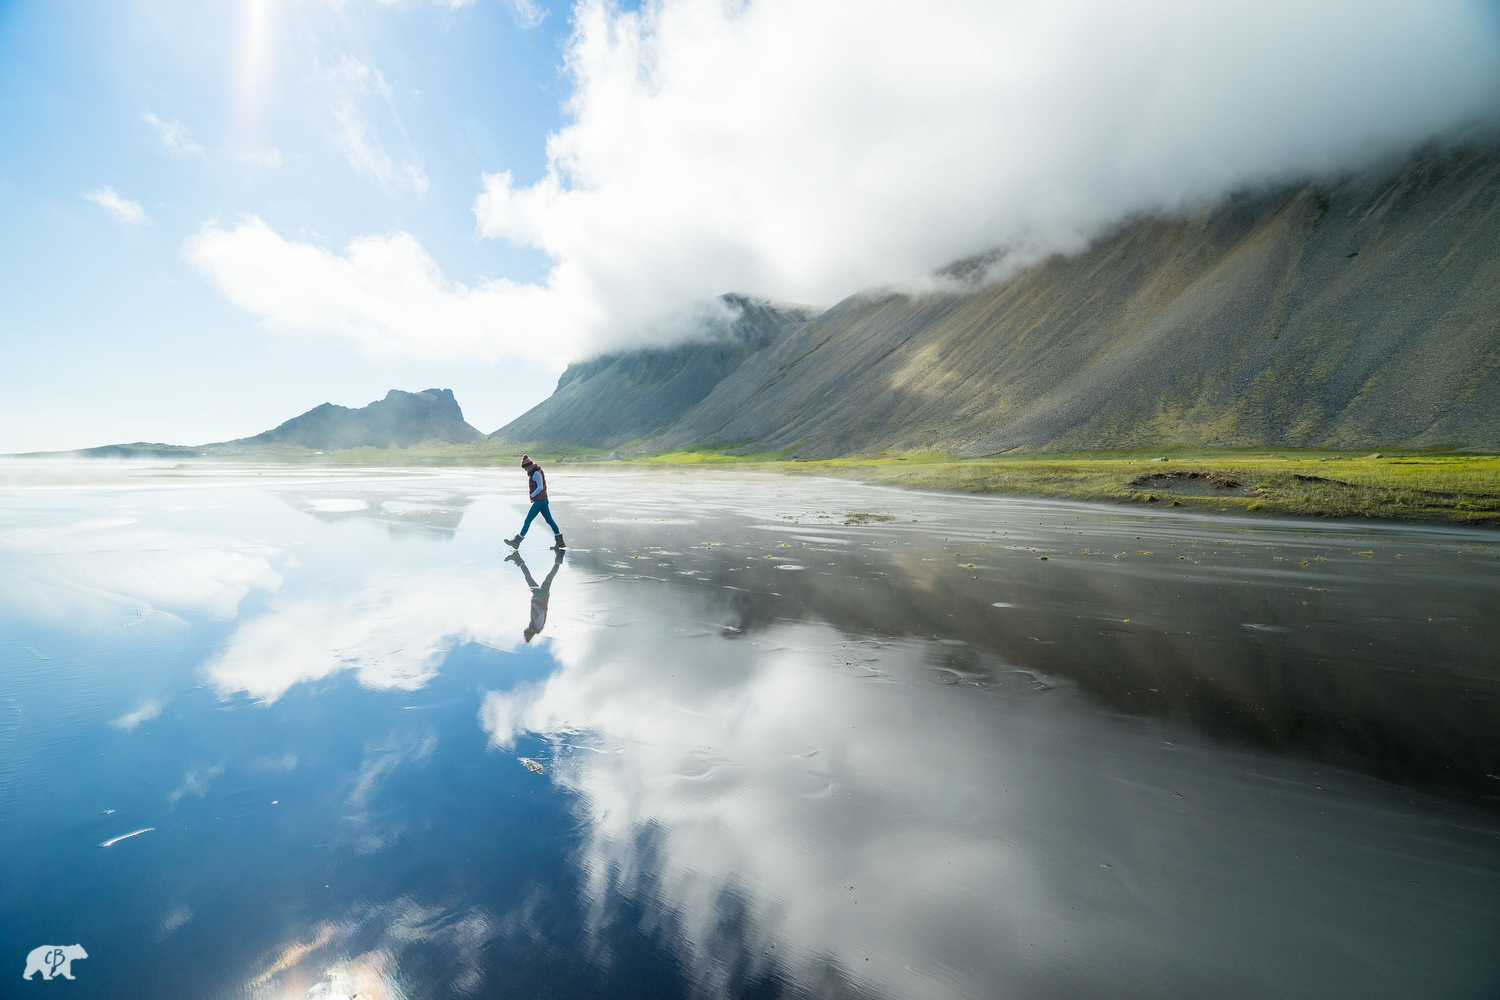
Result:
pixel 536 482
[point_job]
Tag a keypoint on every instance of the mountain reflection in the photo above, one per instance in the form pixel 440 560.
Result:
pixel 1270 636
pixel 432 514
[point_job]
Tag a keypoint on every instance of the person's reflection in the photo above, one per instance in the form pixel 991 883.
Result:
pixel 539 594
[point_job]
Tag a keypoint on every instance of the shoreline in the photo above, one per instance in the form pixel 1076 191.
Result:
pixel 1421 487
pixel 1461 490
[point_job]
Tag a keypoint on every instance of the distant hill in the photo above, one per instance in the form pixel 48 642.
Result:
pixel 1362 311
pixel 610 400
pixel 401 418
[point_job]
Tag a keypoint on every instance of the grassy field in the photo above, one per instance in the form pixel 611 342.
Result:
pixel 1402 486
pixel 1460 488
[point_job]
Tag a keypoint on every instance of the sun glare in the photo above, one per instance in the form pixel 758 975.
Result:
pixel 255 60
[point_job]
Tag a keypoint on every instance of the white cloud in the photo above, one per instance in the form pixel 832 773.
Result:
pixel 356 137
pixel 386 293
pixel 174 135
pixel 528 13
pixel 806 151
pixel 123 209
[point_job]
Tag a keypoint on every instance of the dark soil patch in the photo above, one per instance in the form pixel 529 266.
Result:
pixel 1195 484
pixel 1435 494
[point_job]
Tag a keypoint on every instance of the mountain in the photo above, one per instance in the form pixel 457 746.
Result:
pixel 401 418
pixel 610 400
pixel 1352 312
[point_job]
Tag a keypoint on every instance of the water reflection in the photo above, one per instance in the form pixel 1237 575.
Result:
pixel 827 741
pixel 98 569
pixel 1351 644
pixel 807 808
pixel 424 513
pixel 540 593
pixel 362 953
pixel 392 631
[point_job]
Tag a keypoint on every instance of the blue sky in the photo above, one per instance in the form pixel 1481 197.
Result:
pixel 219 215
pixel 110 333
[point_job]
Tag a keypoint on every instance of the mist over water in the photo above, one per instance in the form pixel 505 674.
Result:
pixel 775 736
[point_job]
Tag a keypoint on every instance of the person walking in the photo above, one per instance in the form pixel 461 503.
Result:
pixel 536 487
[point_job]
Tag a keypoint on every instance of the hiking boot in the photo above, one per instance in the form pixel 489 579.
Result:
pixel 558 542
pixel 514 543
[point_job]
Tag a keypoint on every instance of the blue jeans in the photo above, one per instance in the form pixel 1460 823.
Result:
pixel 540 507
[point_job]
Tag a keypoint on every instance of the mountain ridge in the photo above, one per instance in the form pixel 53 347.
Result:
pixel 611 399
pixel 1362 311
pixel 400 419
pixel 1359 312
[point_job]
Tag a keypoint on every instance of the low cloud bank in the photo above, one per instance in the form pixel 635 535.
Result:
pixel 805 151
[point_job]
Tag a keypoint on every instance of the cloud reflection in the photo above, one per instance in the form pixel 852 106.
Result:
pixel 95 569
pixel 770 782
pixel 381 759
pixel 774 789
pixel 796 804
pixel 148 710
pixel 360 954
pixel 196 783
pixel 393 632
pixel 796 800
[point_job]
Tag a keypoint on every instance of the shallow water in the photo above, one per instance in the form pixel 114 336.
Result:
pixel 776 736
